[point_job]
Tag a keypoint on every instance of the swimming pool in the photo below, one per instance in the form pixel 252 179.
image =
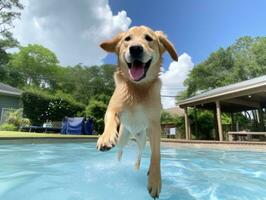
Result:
pixel 76 171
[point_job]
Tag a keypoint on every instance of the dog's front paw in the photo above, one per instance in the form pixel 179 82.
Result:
pixel 154 183
pixel 107 141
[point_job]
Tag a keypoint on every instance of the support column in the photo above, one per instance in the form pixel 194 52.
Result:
pixel 196 123
pixel 261 118
pixel 232 122
pixel 219 120
pixel 215 124
pixel 187 124
pixel 189 130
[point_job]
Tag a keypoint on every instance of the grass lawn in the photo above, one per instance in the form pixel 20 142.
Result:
pixel 17 134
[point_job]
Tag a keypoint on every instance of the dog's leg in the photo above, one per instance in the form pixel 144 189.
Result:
pixel 110 135
pixel 122 141
pixel 141 139
pixel 154 173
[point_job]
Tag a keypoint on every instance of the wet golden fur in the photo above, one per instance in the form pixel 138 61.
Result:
pixel 136 105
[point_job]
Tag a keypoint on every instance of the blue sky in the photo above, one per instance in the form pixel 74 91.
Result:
pixel 197 27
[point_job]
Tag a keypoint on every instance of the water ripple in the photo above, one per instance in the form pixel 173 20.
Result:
pixel 77 171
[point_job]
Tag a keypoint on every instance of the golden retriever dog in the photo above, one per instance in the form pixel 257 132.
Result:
pixel 134 109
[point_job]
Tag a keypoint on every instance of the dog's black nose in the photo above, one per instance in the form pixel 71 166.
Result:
pixel 136 51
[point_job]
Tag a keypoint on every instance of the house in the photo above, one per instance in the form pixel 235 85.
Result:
pixel 175 111
pixel 9 99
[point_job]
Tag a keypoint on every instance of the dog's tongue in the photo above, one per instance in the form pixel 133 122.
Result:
pixel 136 70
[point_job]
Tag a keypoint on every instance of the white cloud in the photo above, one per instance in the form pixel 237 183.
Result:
pixel 173 78
pixel 72 29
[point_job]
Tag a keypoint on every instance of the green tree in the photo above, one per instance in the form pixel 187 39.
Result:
pixel 245 65
pixel 214 72
pixel 35 65
pixel 245 59
pixel 9 11
pixel 85 82
pixel 259 50
pixel 96 109
pixel 166 118
pixel 3 61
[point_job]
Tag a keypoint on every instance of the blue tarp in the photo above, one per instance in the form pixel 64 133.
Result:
pixel 88 127
pixel 77 126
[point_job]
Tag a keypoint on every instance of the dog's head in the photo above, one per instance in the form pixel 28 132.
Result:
pixel 139 52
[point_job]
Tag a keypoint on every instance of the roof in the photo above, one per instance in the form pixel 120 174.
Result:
pixel 9 90
pixel 227 91
pixel 175 111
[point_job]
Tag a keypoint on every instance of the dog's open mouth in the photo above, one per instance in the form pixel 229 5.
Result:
pixel 137 69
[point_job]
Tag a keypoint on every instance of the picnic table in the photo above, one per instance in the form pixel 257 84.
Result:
pixel 244 135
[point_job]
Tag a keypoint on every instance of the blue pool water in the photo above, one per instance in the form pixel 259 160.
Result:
pixel 76 171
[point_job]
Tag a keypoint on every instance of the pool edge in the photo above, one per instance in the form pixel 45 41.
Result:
pixel 224 145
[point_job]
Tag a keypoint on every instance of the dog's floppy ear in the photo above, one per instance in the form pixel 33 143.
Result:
pixel 167 45
pixel 110 45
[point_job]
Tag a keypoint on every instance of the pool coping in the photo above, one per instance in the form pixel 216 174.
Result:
pixel 227 145
pixel 163 140
pixel 180 141
pixel 224 145
pixel 39 139
pixel 47 137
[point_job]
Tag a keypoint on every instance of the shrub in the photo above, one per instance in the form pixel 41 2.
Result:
pixel 166 117
pixel 25 122
pixel 202 127
pixel 16 118
pixel 180 124
pixel 8 127
pixel 40 106
pixel 96 109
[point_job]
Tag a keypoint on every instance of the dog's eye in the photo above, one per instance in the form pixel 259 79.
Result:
pixel 127 38
pixel 148 38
